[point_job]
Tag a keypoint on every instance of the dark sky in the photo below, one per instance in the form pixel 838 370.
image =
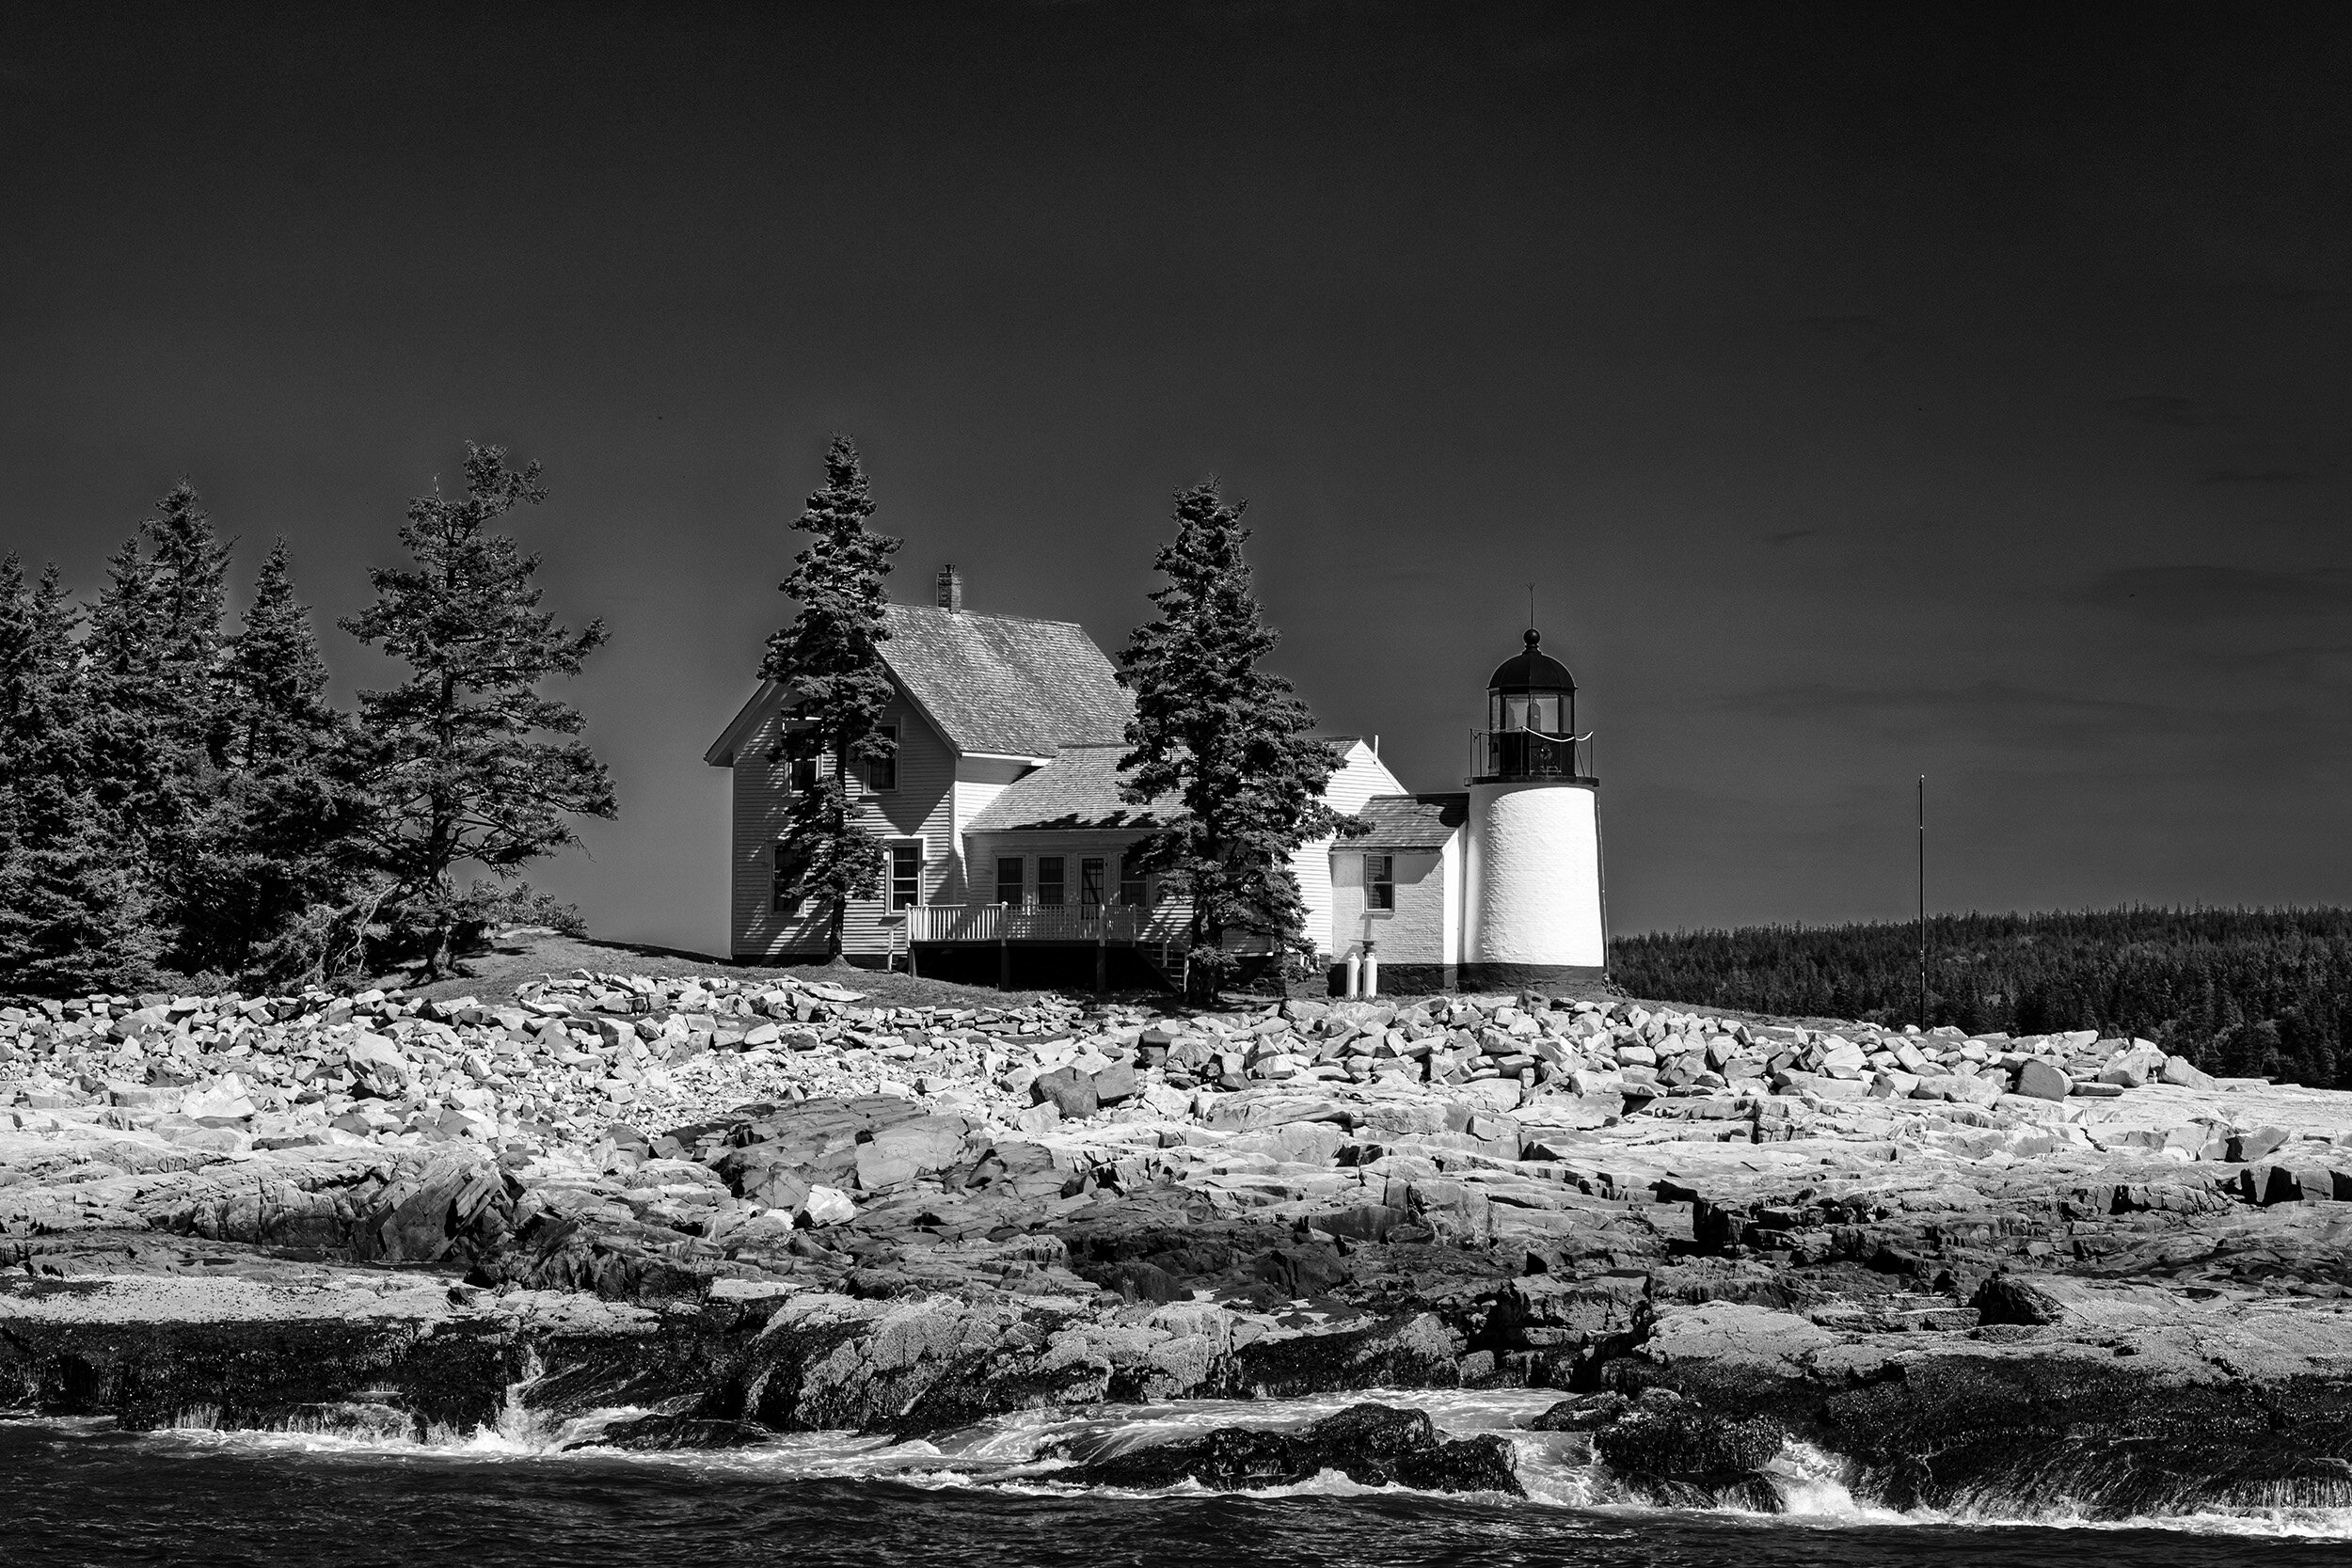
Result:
pixel 1868 390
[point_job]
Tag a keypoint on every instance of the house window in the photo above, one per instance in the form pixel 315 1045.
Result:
pixel 906 876
pixel 1048 881
pixel 1130 884
pixel 803 774
pixel 882 774
pixel 1009 879
pixel 788 863
pixel 1090 872
pixel 1379 882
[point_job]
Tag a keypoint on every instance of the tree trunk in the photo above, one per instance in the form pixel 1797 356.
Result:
pixel 436 955
pixel 833 930
pixel 1203 972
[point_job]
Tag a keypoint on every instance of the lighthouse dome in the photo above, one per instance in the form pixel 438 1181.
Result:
pixel 1530 719
pixel 1531 671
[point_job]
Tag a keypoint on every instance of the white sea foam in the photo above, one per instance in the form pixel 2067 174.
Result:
pixel 1018 1453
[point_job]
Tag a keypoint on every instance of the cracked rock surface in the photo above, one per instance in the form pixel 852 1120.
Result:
pixel 2051 1267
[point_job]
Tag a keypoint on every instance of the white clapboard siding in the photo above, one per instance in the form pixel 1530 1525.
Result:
pixel 922 806
pixel 1360 777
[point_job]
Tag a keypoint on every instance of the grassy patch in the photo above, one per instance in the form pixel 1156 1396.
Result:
pixel 493 976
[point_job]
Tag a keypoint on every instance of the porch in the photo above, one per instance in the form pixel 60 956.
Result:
pixel 1158 935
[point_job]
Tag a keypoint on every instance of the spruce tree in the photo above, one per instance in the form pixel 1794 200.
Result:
pixel 278 856
pixel 155 712
pixel 1227 741
pixel 451 758
pixel 157 640
pixel 829 663
pixel 74 917
pixel 278 707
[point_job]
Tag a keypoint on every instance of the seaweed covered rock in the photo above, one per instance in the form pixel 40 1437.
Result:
pixel 1679 1454
pixel 667 1432
pixel 1581 1413
pixel 1374 1445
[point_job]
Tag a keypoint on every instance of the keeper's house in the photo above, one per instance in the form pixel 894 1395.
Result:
pixel 1009 849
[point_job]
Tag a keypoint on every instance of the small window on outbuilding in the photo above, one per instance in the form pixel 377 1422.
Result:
pixel 1049 883
pixel 1131 890
pixel 1008 888
pixel 1379 882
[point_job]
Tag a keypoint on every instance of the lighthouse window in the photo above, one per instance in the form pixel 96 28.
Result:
pixel 1522 711
pixel 1379 882
pixel 1539 713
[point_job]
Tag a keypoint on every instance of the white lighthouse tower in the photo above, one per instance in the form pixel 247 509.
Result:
pixel 1532 889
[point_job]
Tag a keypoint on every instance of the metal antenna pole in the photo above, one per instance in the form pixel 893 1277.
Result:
pixel 1923 903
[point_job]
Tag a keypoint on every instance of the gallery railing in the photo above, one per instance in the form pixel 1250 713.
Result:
pixel 1529 754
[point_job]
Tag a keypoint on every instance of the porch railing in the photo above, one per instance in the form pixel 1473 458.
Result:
pixel 1167 924
pixel 1116 923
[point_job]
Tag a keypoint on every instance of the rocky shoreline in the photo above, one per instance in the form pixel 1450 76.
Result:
pixel 2058 1271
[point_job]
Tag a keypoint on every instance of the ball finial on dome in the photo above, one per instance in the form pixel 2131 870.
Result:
pixel 1532 669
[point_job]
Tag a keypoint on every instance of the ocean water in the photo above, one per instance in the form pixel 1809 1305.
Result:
pixel 75 1492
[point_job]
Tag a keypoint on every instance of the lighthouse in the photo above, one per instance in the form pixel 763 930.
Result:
pixel 1532 885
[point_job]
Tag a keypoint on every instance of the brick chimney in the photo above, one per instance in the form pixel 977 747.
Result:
pixel 951 588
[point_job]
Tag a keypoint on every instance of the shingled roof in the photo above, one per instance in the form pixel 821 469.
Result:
pixel 1079 789
pixel 994 684
pixel 1003 684
pixel 1409 822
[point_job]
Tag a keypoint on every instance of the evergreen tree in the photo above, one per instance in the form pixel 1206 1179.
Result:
pixel 72 916
pixel 278 709
pixel 156 648
pixel 829 663
pixel 1228 741
pixel 449 757
pixel 278 854
pixel 2255 991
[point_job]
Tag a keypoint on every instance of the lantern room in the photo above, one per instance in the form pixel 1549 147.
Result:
pixel 1531 719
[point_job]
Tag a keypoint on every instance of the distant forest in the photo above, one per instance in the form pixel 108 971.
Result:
pixel 2244 993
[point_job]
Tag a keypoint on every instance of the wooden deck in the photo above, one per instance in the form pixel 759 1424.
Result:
pixel 1160 933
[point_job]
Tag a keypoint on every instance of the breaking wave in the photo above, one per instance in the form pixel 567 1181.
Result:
pixel 1031 1453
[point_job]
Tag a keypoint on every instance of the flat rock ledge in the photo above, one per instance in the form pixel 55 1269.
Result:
pixel 1712 1239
